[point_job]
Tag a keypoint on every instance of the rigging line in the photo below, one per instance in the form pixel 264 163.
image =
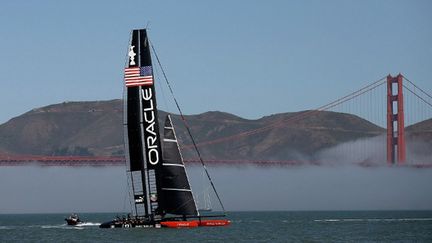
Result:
pixel 424 92
pixel 187 126
pixel 160 87
pixel 295 117
pixel 129 186
pixel 417 95
pixel 127 195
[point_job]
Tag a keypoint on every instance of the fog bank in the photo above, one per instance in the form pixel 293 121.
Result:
pixel 32 189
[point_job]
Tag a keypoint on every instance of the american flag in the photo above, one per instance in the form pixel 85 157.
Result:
pixel 139 76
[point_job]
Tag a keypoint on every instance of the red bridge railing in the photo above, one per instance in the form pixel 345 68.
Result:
pixel 22 160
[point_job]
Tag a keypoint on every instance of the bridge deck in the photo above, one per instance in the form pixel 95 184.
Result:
pixel 21 160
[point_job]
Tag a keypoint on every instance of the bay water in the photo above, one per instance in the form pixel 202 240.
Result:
pixel 258 226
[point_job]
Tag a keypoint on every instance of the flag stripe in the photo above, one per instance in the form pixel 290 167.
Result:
pixel 138 77
pixel 132 83
pixel 131 73
pixel 140 81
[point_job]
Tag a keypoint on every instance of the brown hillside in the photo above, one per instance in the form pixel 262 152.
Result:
pixel 95 128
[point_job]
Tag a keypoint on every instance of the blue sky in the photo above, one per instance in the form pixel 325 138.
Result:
pixel 250 58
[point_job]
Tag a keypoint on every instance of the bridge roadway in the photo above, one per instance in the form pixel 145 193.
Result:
pixel 21 160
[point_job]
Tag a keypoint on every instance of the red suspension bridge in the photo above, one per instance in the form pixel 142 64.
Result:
pixel 391 102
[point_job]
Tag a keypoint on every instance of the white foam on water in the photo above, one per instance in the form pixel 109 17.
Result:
pixel 256 221
pixel 402 219
pixel 327 220
pixel 332 220
pixel 353 220
pixel 86 224
pixel 61 226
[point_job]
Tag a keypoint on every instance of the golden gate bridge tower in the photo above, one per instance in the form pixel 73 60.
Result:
pixel 396 150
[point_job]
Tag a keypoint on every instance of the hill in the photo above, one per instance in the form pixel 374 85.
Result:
pixel 419 140
pixel 421 131
pixel 95 128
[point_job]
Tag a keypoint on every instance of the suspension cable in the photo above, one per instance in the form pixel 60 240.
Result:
pixel 298 116
pixel 418 96
pixel 187 127
pixel 424 92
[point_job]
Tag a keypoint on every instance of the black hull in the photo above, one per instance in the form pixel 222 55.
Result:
pixel 129 224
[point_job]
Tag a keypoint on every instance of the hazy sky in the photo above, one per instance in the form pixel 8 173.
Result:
pixel 251 58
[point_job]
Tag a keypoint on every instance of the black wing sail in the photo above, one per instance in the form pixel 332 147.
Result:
pixel 132 134
pixel 142 138
pixel 175 184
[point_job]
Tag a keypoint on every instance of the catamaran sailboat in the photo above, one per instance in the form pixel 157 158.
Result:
pixel 160 188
